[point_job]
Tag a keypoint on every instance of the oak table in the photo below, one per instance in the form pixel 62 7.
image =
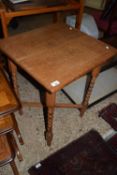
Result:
pixel 9 10
pixel 55 56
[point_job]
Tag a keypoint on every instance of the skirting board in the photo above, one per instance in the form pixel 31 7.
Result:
pixel 105 84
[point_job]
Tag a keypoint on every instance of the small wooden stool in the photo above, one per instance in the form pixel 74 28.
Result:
pixel 9 103
pixel 7 152
pixel 7 125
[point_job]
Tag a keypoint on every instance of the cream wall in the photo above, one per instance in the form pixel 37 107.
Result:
pixel 98 4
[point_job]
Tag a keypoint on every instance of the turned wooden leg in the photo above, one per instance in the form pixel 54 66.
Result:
pixel 14 167
pixel 79 14
pixel 17 130
pixel 13 72
pixel 50 104
pixel 88 90
pixel 55 17
pixel 15 146
pixel 4 24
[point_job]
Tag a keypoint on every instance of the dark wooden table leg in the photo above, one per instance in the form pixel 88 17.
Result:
pixel 79 14
pixel 18 133
pixel 14 167
pixel 15 146
pixel 13 72
pixel 89 87
pixel 4 24
pixel 55 17
pixel 50 105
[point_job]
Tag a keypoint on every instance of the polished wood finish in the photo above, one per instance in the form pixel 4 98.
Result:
pixel 9 103
pixel 55 56
pixel 56 52
pixel 7 152
pixel 8 100
pixel 6 124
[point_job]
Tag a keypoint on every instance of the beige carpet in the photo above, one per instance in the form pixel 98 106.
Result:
pixel 67 126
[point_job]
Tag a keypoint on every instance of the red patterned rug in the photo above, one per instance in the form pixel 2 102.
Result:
pixel 109 114
pixel 88 155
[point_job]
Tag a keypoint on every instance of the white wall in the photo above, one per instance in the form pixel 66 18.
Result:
pixel 98 4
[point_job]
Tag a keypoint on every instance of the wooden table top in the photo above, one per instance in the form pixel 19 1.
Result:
pixel 56 55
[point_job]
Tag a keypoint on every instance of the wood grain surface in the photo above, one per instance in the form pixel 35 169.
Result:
pixel 56 53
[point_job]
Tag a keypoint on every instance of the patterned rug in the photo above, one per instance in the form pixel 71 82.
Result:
pixel 109 114
pixel 88 155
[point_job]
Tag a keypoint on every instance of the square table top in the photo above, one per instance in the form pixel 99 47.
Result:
pixel 56 55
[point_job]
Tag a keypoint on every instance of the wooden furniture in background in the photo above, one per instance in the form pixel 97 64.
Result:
pixel 55 56
pixel 9 103
pixel 8 123
pixel 7 152
pixel 9 11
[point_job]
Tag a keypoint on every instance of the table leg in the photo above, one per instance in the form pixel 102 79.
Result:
pixel 55 17
pixel 89 87
pixel 4 24
pixel 15 146
pixel 13 71
pixel 50 106
pixel 79 14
